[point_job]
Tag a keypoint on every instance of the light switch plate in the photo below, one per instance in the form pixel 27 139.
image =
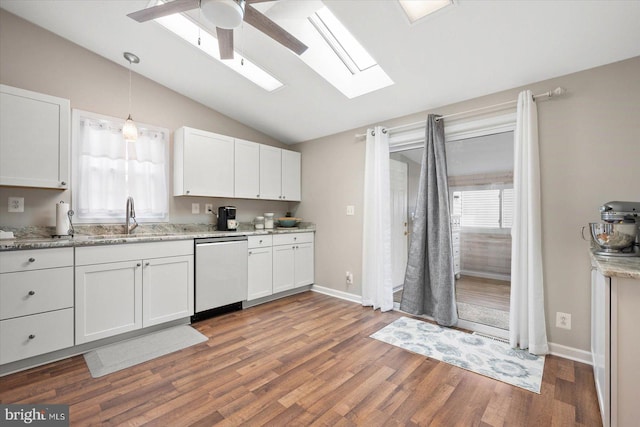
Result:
pixel 208 208
pixel 195 208
pixel 351 210
pixel 16 204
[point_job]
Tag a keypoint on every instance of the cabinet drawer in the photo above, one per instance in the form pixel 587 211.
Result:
pixel 259 241
pixel 35 259
pixel 31 292
pixel 30 336
pixel 291 238
pixel 132 251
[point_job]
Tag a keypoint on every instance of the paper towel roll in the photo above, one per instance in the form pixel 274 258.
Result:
pixel 62 219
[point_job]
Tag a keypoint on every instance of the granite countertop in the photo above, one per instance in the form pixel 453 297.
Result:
pixel 41 237
pixel 617 266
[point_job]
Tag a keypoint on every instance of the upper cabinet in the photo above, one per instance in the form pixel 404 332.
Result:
pixel 34 139
pixel 203 164
pixel 212 165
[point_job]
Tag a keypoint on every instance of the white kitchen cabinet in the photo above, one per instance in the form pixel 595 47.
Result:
pixel 270 172
pixel 293 264
pixel 247 169
pixel 34 139
pixel 167 289
pixel 260 267
pixel 36 302
pixel 203 164
pixel 120 288
pixel 615 347
pixel 291 175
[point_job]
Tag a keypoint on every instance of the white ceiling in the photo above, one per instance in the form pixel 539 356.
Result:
pixel 471 49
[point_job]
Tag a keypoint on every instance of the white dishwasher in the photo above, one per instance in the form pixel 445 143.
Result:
pixel 221 274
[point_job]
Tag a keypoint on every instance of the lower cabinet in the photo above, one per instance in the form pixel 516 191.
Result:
pixel 121 288
pixel 279 263
pixel 292 261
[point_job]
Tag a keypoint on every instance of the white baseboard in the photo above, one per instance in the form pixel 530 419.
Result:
pixel 336 293
pixel 570 353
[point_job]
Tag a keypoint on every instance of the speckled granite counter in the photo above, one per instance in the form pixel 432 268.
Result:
pixel 40 237
pixel 617 266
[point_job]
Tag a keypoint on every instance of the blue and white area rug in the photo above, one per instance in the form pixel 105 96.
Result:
pixel 475 353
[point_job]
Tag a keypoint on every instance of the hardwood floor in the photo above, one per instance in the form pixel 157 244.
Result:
pixel 485 292
pixel 303 360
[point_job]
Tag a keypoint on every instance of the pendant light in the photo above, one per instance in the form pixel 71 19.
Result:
pixel 129 130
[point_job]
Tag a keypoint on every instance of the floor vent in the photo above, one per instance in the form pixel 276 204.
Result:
pixel 491 337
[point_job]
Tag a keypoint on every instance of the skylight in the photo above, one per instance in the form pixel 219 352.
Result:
pixel 207 43
pixel 418 9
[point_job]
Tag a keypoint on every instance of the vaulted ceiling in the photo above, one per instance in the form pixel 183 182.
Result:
pixel 470 49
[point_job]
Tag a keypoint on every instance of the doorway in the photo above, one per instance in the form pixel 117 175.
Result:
pixel 480 172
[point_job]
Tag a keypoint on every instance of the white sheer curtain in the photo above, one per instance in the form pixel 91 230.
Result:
pixel 527 328
pixel 109 169
pixel 377 288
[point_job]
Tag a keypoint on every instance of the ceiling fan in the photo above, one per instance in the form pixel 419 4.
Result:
pixel 225 15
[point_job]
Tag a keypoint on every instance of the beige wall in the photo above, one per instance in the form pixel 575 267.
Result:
pixel 590 154
pixel 35 59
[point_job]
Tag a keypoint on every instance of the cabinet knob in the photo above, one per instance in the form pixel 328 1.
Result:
pixel 32 260
pixel 138 265
pixel 63 183
pixel 187 191
pixel 260 241
pixel 249 252
pixel 283 197
pixel 257 195
pixel 295 238
pixel 32 293
pixel 279 197
pixel 31 336
pixel 146 264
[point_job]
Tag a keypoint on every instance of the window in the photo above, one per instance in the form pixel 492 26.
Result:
pixel 484 208
pixel 107 169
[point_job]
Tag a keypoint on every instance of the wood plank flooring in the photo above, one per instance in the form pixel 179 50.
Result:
pixel 301 361
pixel 485 292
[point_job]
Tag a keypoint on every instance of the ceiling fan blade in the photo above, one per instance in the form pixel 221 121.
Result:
pixel 225 42
pixel 273 30
pixel 175 6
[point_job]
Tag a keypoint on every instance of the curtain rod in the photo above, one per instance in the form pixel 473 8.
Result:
pixel 559 91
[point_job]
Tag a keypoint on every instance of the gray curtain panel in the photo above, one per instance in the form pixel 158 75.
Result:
pixel 429 283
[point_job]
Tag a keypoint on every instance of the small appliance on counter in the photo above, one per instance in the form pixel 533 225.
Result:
pixel 227 218
pixel 619 235
pixel 258 223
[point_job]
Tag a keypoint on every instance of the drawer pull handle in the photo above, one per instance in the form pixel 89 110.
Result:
pixel 147 264
pixel 260 241
pixel 32 293
pixel 138 265
pixel 32 260
pixel 31 336
pixel 63 183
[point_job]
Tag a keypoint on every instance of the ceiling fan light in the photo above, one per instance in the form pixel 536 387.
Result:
pixel 227 14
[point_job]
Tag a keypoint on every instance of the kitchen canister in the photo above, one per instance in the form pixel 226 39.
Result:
pixel 268 220
pixel 258 222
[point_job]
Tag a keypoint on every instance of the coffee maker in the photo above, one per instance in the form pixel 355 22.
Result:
pixel 619 235
pixel 227 218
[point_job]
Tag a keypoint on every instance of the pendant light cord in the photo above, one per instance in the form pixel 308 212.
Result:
pixel 129 88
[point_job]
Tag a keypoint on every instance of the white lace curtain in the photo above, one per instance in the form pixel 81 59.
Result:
pixel 109 170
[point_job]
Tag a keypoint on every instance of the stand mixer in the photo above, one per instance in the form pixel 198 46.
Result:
pixel 619 235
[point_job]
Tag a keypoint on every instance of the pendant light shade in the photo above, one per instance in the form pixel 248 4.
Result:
pixel 129 130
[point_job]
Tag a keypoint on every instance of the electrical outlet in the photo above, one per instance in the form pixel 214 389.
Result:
pixel 351 210
pixel 208 208
pixel 16 204
pixel 195 208
pixel 563 320
pixel 349 278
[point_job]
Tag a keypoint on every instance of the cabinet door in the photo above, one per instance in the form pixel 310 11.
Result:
pixel 205 164
pixel 291 175
pixel 108 300
pixel 270 172
pixel 283 268
pixel 167 289
pixel 304 270
pixel 260 273
pixel 247 169
pixel 34 139
pixel 600 340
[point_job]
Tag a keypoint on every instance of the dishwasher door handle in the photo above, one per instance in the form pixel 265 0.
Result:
pixel 232 242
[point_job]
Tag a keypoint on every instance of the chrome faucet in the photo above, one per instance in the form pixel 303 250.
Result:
pixel 131 215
